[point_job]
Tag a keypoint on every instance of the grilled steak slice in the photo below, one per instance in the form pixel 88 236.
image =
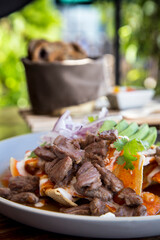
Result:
pixel 124 192
pixel 96 149
pixel 141 210
pixel 88 176
pixel 98 207
pixel 69 176
pixel 45 153
pixel 124 211
pixel 133 200
pixel 24 184
pixel 25 197
pixel 158 151
pixel 111 135
pixel 130 197
pixel 76 143
pixel 5 193
pixel 157 156
pixel 90 138
pixel 111 181
pixel 79 210
pixel 101 193
pixel 57 171
pixel 65 147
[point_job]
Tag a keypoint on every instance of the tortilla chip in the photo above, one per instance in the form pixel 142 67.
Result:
pixel 147 170
pixel 132 178
pixel 58 195
pixel 45 184
pixel 152 203
pixel 13 167
pixel 156 177
pixel 111 159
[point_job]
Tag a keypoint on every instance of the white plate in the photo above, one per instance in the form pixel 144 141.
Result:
pixel 86 226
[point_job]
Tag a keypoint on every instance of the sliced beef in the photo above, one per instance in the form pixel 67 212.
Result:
pixel 111 135
pixel 96 148
pixel 59 170
pixel 45 153
pixel 157 156
pixel 98 207
pixel 41 165
pixel 65 147
pixel 5 193
pixel 50 165
pixel 124 192
pixel 109 179
pixel 90 138
pixel 70 175
pixel 124 211
pixel 76 143
pixel 133 200
pixel 158 151
pixel 24 184
pixel 141 210
pixel 130 197
pixel 79 210
pixel 25 197
pixel 96 152
pixel 101 193
pixel 88 176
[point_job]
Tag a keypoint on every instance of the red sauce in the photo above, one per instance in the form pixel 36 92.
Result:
pixel 4 178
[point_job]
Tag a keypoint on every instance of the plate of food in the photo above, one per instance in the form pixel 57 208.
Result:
pixel 96 179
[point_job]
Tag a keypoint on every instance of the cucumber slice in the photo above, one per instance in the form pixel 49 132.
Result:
pixel 141 133
pixel 107 125
pixel 122 125
pixel 151 137
pixel 130 130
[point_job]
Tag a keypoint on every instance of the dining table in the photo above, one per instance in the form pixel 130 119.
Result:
pixel 12 124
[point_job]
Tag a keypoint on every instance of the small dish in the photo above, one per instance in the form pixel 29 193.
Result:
pixel 129 97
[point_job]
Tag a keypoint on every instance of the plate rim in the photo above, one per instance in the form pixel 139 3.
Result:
pixel 75 217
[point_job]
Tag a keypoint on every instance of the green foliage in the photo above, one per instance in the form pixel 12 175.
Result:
pixel 130 150
pixel 119 144
pixel 37 20
pixel 139 35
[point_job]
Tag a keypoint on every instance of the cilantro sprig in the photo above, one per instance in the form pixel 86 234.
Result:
pixel 92 118
pixel 130 149
pixel 32 155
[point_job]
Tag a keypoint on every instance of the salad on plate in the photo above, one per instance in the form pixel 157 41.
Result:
pixel 96 168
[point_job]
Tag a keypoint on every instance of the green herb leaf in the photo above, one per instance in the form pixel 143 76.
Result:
pixel 119 144
pixel 121 160
pixel 107 125
pixel 92 118
pixel 43 144
pixel 129 165
pixel 32 155
pixel 130 149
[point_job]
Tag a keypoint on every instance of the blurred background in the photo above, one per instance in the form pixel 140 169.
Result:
pixel 93 27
